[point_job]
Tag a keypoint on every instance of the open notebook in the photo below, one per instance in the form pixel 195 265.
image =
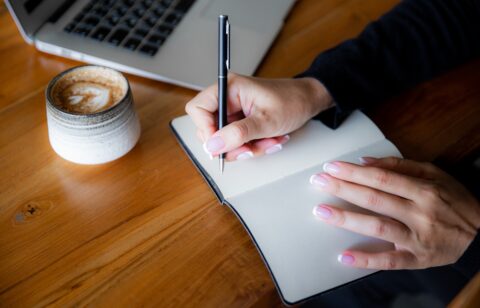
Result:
pixel 272 197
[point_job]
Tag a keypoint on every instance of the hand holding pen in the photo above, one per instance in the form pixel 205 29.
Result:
pixel 261 112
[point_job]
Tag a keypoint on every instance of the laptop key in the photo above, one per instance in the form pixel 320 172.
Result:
pixel 113 20
pixel 128 2
pixel 101 33
pixel 147 3
pixel 121 10
pixel 172 19
pixel 100 11
pixel 163 30
pixel 167 2
pixel 149 49
pixel 70 27
pixel 82 30
pixel 130 22
pixel 141 32
pixel 151 21
pixel 139 11
pixel 78 17
pixel 158 11
pixel 91 20
pixel 156 40
pixel 108 2
pixel 118 36
pixel 132 43
pixel 184 5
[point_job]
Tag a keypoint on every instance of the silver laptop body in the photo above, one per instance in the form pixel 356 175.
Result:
pixel 187 56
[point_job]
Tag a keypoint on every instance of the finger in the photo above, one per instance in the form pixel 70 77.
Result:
pixel 363 196
pixel 257 148
pixel 269 146
pixel 234 135
pixel 403 166
pixel 202 110
pixel 380 227
pixel 378 178
pixel 242 153
pixel 389 260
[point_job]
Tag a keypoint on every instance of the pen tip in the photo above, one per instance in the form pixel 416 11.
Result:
pixel 222 166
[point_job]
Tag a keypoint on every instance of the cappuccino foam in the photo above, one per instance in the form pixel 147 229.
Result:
pixel 89 89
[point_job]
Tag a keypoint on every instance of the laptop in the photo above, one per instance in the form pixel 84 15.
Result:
pixel 174 41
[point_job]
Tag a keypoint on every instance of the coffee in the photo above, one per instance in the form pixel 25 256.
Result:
pixel 88 89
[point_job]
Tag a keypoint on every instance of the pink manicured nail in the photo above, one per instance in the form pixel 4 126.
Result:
pixel 319 180
pixel 322 212
pixel 215 144
pixel 331 168
pixel 245 155
pixel 346 259
pixel 367 160
pixel 206 151
pixel 273 149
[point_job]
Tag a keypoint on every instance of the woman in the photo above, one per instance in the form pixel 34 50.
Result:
pixel 431 218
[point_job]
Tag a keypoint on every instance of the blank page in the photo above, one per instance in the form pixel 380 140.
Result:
pixel 308 146
pixel 299 250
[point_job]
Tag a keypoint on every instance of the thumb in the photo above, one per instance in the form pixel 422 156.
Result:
pixel 234 135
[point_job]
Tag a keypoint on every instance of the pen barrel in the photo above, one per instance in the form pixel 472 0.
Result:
pixel 222 45
pixel 222 102
pixel 222 69
pixel 223 66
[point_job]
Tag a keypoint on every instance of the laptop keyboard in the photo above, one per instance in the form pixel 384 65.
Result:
pixel 137 25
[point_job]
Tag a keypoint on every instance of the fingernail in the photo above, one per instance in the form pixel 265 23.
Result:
pixel 322 212
pixel 346 259
pixel 273 149
pixel 367 160
pixel 206 151
pixel 287 137
pixel 245 155
pixel 319 180
pixel 331 168
pixel 215 144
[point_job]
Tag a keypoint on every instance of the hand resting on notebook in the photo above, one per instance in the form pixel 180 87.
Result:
pixel 426 213
pixel 261 113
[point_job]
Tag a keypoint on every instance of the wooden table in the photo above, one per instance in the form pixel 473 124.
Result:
pixel 146 229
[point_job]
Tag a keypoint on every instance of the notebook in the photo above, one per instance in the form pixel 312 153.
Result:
pixel 273 199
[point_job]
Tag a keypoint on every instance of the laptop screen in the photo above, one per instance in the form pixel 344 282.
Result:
pixel 30 15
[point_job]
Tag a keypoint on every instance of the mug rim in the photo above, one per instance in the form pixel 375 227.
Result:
pixel 84 115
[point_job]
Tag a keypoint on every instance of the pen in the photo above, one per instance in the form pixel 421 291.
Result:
pixel 223 67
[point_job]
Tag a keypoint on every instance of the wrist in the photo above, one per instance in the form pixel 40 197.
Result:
pixel 318 95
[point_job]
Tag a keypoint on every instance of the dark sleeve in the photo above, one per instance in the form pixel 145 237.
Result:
pixel 469 262
pixel 469 174
pixel 415 41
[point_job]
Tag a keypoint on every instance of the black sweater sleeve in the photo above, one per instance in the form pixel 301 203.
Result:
pixel 412 43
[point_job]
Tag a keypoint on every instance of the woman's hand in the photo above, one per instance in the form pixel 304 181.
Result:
pixel 260 113
pixel 427 214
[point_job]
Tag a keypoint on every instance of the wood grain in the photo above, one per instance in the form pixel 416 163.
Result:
pixel 145 230
pixel 469 296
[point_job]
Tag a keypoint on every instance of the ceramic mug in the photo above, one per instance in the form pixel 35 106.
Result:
pixel 92 137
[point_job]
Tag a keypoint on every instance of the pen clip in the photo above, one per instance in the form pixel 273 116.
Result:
pixel 227 31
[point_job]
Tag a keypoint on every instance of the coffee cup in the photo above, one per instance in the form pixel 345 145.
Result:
pixel 90 115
